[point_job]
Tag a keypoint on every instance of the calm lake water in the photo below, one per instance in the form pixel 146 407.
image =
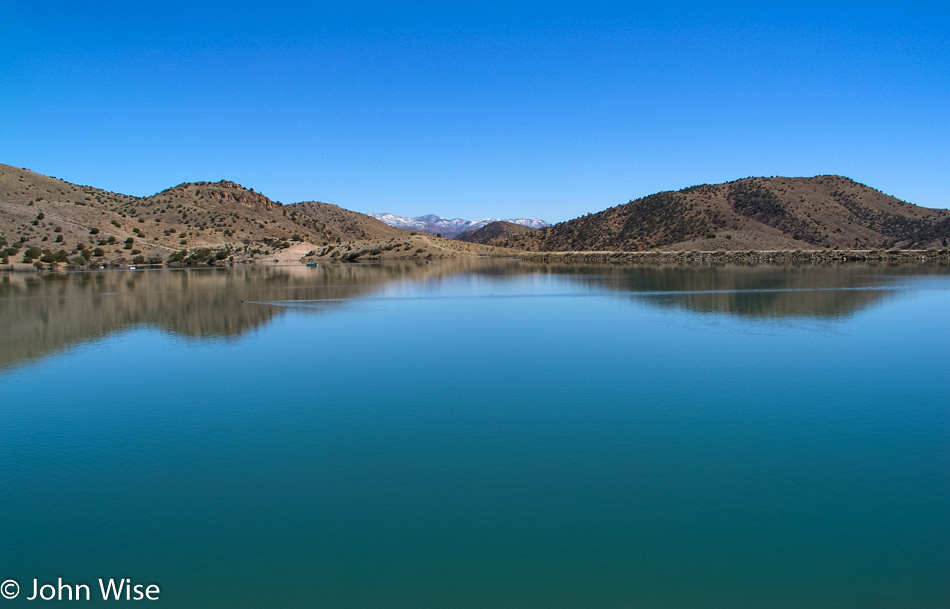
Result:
pixel 481 435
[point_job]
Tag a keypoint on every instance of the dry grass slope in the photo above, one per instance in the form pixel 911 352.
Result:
pixel 44 218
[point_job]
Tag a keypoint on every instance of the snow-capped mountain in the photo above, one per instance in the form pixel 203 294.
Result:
pixel 449 228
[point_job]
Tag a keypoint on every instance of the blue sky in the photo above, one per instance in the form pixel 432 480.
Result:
pixel 509 110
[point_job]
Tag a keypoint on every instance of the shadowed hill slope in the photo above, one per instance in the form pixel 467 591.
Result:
pixel 497 233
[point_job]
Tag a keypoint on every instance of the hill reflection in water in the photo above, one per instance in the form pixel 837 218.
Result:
pixel 42 314
pixel 820 291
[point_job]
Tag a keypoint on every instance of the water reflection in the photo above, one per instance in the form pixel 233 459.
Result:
pixel 820 291
pixel 41 314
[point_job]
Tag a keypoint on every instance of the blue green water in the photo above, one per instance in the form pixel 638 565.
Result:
pixel 481 435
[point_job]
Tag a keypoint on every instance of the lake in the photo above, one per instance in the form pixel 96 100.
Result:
pixel 474 434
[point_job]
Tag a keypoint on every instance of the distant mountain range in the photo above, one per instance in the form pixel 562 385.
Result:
pixel 449 228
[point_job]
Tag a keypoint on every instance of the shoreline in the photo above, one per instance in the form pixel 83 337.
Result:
pixel 742 257
pixel 749 257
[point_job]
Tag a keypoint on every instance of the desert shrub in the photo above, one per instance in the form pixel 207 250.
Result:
pixel 98 252
pixel 93 231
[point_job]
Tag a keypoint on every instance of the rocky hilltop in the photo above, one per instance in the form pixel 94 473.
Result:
pixel 823 212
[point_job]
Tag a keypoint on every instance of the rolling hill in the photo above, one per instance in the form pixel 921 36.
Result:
pixel 45 220
pixel 823 212
pixel 497 233
pixel 204 219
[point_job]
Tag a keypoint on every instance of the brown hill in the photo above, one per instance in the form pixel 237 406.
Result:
pixel 497 233
pixel 200 220
pixel 752 213
pixel 349 225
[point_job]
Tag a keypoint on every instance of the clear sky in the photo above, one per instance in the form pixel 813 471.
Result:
pixel 547 109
